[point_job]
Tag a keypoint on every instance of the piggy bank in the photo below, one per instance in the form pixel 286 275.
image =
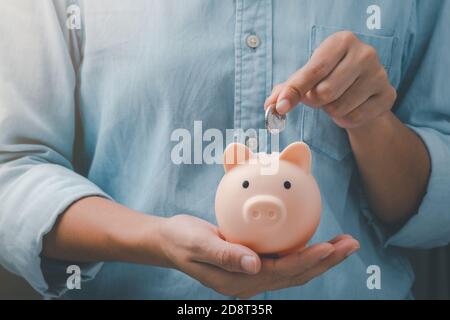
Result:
pixel 268 202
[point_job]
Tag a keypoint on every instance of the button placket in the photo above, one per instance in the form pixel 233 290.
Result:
pixel 253 62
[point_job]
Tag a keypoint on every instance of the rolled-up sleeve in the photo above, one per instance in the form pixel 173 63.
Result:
pixel 424 105
pixel 37 132
pixel 430 226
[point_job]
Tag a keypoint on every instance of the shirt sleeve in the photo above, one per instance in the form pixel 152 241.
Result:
pixel 424 106
pixel 37 133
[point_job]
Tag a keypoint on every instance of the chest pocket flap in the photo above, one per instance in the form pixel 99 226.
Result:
pixel 320 132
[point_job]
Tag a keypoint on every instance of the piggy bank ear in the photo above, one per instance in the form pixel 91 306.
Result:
pixel 235 154
pixel 299 154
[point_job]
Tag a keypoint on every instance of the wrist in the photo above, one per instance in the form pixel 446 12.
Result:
pixel 139 240
pixel 379 127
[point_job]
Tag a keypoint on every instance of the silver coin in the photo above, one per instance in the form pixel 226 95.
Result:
pixel 275 122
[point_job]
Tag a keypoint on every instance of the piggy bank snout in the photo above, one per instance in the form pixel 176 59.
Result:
pixel 264 210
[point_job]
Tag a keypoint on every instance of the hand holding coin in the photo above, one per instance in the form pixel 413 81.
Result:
pixel 275 122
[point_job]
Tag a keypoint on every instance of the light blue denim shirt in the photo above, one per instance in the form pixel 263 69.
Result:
pixel 88 106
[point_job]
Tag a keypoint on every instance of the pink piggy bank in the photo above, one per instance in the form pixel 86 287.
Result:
pixel 268 202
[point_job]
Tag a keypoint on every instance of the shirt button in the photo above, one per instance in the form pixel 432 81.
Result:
pixel 253 41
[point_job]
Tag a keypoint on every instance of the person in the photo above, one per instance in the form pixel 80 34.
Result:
pixel 91 92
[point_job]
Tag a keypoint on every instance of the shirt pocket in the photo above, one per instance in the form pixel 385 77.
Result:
pixel 319 131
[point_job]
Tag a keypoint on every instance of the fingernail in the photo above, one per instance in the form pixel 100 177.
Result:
pixel 248 263
pixel 327 254
pixel 283 106
pixel 352 251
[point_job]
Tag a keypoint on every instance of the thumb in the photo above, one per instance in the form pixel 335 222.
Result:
pixel 231 257
pixel 288 98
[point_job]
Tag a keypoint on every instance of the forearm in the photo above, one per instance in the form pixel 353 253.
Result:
pixel 96 229
pixel 394 165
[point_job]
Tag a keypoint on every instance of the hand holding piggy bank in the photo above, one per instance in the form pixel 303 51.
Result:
pixel 269 203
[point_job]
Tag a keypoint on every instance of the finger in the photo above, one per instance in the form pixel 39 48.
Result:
pixel 229 256
pixel 299 262
pixel 364 88
pixel 232 284
pixel 336 84
pixel 344 248
pixel 272 99
pixel 213 277
pixel 339 238
pixel 275 275
pixel 322 63
pixel 372 108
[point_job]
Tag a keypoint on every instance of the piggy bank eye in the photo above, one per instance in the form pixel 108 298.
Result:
pixel 287 185
pixel 245 184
